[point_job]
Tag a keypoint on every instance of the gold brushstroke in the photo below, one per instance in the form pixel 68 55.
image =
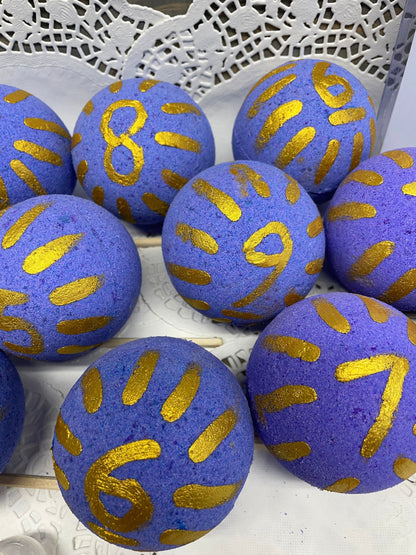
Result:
pixel 404 468
pixel 140 377
pixel 4 197
pixel 61 477
pixel 276 71
pixel 269 93
pixel 351 211
pixel 246 176
pixel 411 331
pixel 199 497
pixel 400 157
pixel 15 232
pixel 295 146
pixel 282 398
pixel 112 537
pixel 115 87
pixel 370 259
pixel 184 393
pixel 97 195
pixel 314 267
pixel 123 208
pixel 176 108
pixel 409 189
pixel 357 150
pixel 45 256
pixel 176 140
pixel 76 290
pixel 155 204
pixel 38 152
pixel 293 347
pixel 199 239
pixel 196 303
pixel 292 191
pixel 290 451
pixel 88 108
pixel 173 179
pixel 225 204
pixel 181 537
pixel 82 325
pixel 292 297
pixel 213 435
pixel 76 139
pixel 323 83
pixel 92 390
pixel 75 349
pixel 329 314
pixel 47 125
pixel 377 312
pixel 328 160
pixel 343 485
pixel 373 132
pixel 398 367
pixel 366 177
pixel 241 315
pixel 66 438
pixel 400 288
pixel 190 275
pixel 82 170
pixel 315 227
pixel 348 115
pixel 147 84
pixel 16 96
pixel 275 121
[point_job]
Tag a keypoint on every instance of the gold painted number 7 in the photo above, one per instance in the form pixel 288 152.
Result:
pixel 398 366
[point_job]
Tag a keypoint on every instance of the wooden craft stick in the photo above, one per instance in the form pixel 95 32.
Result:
pixel 144 242
pixel 28 481
pixel 202 341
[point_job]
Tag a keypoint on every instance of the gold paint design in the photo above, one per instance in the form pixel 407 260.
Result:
pixel 404 468
pixel 75 349
pixel 329 314
pixel 351 211
pixel 327 160
pixel 349 115
pixel 176 140
pixel 293 347
pixel 38 152
pixel 16 96
pixel 278 260
pixel 98 481
pixel 112 537
pixel 366 177
pixel 373 132
pixel 4 196
pixel 115 87
pixel 370 259
pixel 269 93
pixel 225 204
pixel 400 288
pixel 246 176
pixel 213 435
pixel 28 177
pixel 377 312
pixel 400 157
pixel 190 275
pixel 124 139
pixel 343 485
pixel 15 232
pixel 181 537
pixel 411 331
pixel 66 438
pixel 197 303
pixel 315 228
pixel 323 84
pixel 97 195
pixel 184 393
pixel 173 179
pixel 82 170
pixel 314 267
pixel 276 71
pixel 147 85
pixel 357 150
pixel 47 125
pixel 295 146
pixel 177 108
pixel 283 398
pixel 76 290
pixel 76 139
pixel 155 204
pixel 292 297
pixel 61 476
pixel 13 323
pixel 241 315
pixel 275 121
pixel 199 239
pixel 409 189
pixel 123 208
pixel 82 325
pixel 45 256
pixel 292 191
pixel 88 108
pixel 290 451
pixel 199 497
pixel 140 377
pixel 92 390
pixel 398 367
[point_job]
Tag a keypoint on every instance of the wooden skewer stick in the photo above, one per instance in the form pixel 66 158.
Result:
pixel 147 241
pixel 28 481
pixel 202 341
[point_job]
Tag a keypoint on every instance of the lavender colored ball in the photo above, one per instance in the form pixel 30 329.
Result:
pixel 136 143
pixel 12 409
pixel 35 149
pixel 70 277
pixel 153 444
pixel 241 241
pixel 370 227
pixel 311 118
pixel 331 385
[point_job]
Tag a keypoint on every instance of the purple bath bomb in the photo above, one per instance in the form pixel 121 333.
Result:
pixel 241 241
pixel 136 143
pixel 35 149
pixel 153 444
pixel 70 277
pixel 311 118
pixel 370 226
pixel 331 384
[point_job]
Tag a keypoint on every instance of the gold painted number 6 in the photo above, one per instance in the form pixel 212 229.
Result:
pixel 323 83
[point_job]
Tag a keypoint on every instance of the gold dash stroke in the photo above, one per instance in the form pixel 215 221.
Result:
pixel 348 115
pixel 327 160
pixel 400 157
pixel 295 146
pixel 377 311
pixel 184 393
pixel 176 108
pixel 290 451
pixel 115 87
pixel 293 347
pixel 38 152
pixel 140 377
pixel 198 304
pixel 370 259
pixel 155 204
pixel 269 93
pixel 246 176
pixel 200 497
pixel 66 438
pixel 82 170
pixel 82 325
pixel 47 125
pixel 400 288
pixel 75 349
pixel 76 139
pixel 76 290
pixel 404 467
pixel 411 331
pixel 190 275
pixel 357 150
pixel 315 227
pixel 292 191
pixel 173 179
pixel 329 314
pixel 276 71
pixel 225 204
pixel 16 96
pixel 409 189
pixel 28 177
pixel 275 121
pixel 365 177
pixel 92 390
pixel 199 238
pixel 176 140
pixel 45 256
pixel 283 398
pixel 61 476
pixel 147 84
pixel 343 485
pixel 16 231
pixel 213 435
pixel 88 108
pixel 112 537
pixel 351 211
pixel 98 195
pixel 314 267
pixel 124 210
pixel 180 537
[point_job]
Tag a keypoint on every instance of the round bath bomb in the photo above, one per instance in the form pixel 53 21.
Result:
pixel 311 118
pixel 70 277
pixel 136 143
pixel 370 225
pixel 241 241
pixel 35 149
pixel 153 444
pixel 12 409
pixel 331 385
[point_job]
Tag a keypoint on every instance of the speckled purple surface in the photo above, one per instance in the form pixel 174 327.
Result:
pixel 389 225
pixel 35 149
pixel 81 241
pixel 337 422
pixel 250 280
pixel 287 103
pixel 116 424
pixel 137 127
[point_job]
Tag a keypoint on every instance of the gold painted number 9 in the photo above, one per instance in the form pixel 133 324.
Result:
pixel 323 83
pixel 124 139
